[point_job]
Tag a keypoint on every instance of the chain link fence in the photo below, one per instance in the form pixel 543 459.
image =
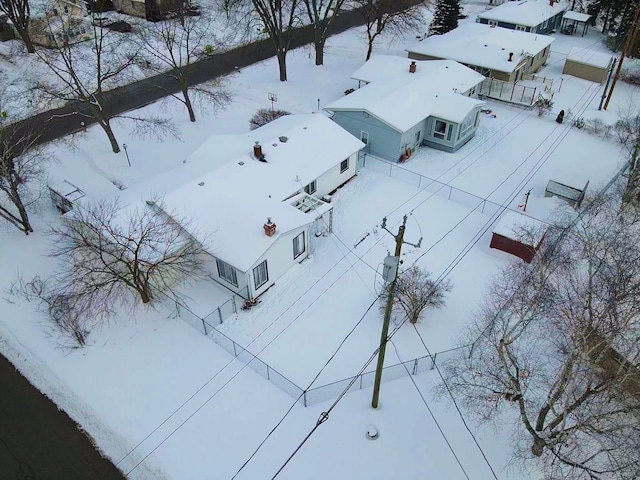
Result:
pixel 433 186
pixel 314 395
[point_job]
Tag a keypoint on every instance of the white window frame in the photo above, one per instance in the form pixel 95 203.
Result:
pixel 344 165
pixel 227 271
pixel 492 22
pixel 299 245
pixel 258 281
pixel 446 135
pixel 364 137
pixel 521 28
pixel 311 188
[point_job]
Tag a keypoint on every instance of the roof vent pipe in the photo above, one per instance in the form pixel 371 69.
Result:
pixel 412 67
pixel 510 57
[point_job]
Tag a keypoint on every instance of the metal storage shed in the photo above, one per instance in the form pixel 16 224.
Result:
pixel 518 235
pixel 588 64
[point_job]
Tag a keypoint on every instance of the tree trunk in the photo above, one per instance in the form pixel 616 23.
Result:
pixel 282 64
pixel 24 217
pixel 319 41
pixel 26 38
pixel 188 104
pixel 106 126
pixel 144 294
pixel 369 49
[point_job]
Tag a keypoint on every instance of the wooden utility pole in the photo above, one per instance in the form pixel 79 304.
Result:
pixel 625 49
pixel 387 311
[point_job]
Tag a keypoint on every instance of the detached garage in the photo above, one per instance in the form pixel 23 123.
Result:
pixel 518 235
pixel 588 64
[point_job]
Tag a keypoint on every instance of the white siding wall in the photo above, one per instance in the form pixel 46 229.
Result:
pixel 279 259
pixel 332 179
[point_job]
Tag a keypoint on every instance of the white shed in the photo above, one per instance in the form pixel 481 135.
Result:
pixel 588 64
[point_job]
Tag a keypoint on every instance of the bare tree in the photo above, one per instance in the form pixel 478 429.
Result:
pixel 21 173
pixel 278 20
pixel 264 116
pixel 19 12
pixel 172 46
pixel 113 258
pixel 556 342
pixel 85 71
pixel 393 16
pixel 321 14
pixel 415 291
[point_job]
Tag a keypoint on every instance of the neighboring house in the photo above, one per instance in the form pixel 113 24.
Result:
pixel 494 52
pixel 149 9
pixel 535 16
pixel 62 19
pixel 256 197
pixel 407 106
pixel 588 64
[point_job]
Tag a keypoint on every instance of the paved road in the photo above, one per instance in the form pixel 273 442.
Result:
pixel 40 442
pixel 60 122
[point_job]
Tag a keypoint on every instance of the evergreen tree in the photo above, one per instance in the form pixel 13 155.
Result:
pixel 445 18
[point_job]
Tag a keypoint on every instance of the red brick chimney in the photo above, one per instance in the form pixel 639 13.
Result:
pixel 510 57
pixel 412 67
pixel 257 150
pixel 269 228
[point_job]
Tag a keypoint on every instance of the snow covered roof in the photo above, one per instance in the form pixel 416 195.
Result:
pixel 229 193
pixel 577 16
pixel 483 45
pixel 385 67
pixel 590 57
pixel 402 101
pixel 520 227
pixel 529 13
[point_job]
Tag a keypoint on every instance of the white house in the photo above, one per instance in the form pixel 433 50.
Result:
pixel 256 196
pixel 535 16
pixel 493 51
pixel 410 104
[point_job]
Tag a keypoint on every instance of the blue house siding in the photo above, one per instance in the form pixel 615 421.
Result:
pixel 384 141
pixel 412 138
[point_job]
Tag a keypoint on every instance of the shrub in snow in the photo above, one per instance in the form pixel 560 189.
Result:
pixel 628 131
pixel 414 292
pixel 630 72
pixel 543 105
pixel 264 116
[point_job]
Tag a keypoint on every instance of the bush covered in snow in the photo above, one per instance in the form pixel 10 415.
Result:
pixel 264 116
pixel 630 72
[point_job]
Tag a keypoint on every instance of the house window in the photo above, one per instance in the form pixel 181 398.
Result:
pixel 227 272
pixel 298 245
pixel 440 129
pixel 493 23
pixel 467 125
pixel 521 28
pixel 364 137
pixel 260 275
pixel 311 188
pixel 344 165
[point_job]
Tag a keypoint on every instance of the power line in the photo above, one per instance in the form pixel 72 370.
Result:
pixel 433 417
pixel 305 390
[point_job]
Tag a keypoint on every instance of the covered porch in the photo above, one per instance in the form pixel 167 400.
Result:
pixel 573 22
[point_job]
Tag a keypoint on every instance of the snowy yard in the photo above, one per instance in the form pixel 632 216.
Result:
pixel 186 408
